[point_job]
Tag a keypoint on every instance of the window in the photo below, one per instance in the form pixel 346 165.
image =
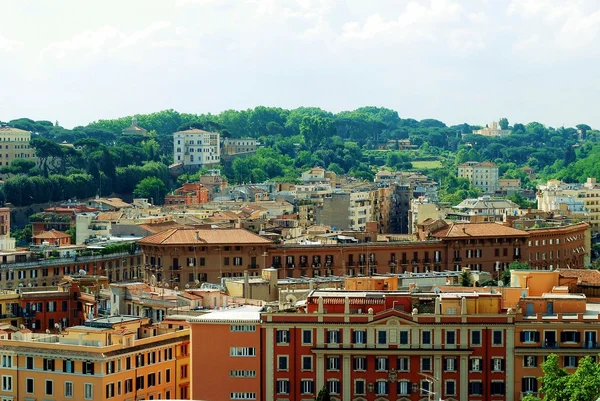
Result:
pixel 425 364
pixel 282 362
pixel 570 336
pixel 139 383
pixel 68 389
pixel 359 337
pixel 49 387
pixel 382 337
pixel 7 361
pixel 283 336
pixel 360 363
pixel 110 390
pixel 151 379
pixel 402 364
pixel 359 387
pixel 168 376
pixel 333 336
pixel 497 388
pixel 306 337
pixel 475 388
pixel 88 391
pixel 450 364
pixel 476 365
pixel 475 337
pixel 29 362
pixel 450 387
pixel 242 351
pixel 530 361
pixel 450 337
pixel 232 373
pixel 333 363
pixel 403 387
pixel 426 337
pixel 382 363
pixel 307 386
pixel 530 336
pixel 184 371
pixel 307 362
pixel 333 386
pixel 29 386
pixel 49 364
pixel 570 361
pixel 404 337
pixel 381 388
pixel 283 386
pixel 7 383
pixel 497 337
pixel 128 386
pixel 529 385
pixel 497 365
pixel 425 387
pixel 241 396
pixel 68 366
pixel 87 368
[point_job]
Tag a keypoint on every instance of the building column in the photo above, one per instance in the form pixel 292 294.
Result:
pixel 320 373
pixel 510 364
pixel 464 378
pixel 346 378
pixel 437 375
pixel 269 360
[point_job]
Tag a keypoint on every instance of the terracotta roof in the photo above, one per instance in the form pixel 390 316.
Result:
pixel 109 216
pixel 13 130
pixel 161 226
pixel 114 202
pixel 52 234
pixel 465 230
pixel 191 236
pixel 583 276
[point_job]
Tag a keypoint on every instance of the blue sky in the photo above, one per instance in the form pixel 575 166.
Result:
pixel 457 61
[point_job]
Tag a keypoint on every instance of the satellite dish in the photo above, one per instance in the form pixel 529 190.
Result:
pixel 176 288
pixel 57 325
pixel 22 326
pixel 187 285
pixel 197 281
pixel 82 272
pixel 47 331
pixel 290 298
pixel 153 280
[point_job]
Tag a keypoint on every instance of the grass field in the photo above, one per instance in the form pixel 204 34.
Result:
pixel 423 164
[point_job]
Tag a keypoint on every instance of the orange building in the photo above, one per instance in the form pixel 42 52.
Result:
pixel 52 238
pixel 188 194
pixel 118 358
pixel 183 255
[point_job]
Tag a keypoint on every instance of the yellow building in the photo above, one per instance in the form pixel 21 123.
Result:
pixel 116 358
pixel 14 144
pixel 9 304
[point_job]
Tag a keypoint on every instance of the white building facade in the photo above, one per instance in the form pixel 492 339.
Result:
pixel 196 148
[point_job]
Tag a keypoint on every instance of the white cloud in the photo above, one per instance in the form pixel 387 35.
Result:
pixel 9 45
pixel 416 21
pixel 85 44
pixel 465 41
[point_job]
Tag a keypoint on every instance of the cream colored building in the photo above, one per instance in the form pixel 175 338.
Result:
pixel 345 210
pixel 483 175
pixel 14 144
pixel 492 129
pixel 196 148
pixel 549 198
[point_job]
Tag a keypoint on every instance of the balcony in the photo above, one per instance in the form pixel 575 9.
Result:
pixel 415 261
pixel 392 263
pixel 427 260
pixel 253 266
pixel 28 314
pixel 303 265
pixel 457 260
pixel 290 266
pixel 316 265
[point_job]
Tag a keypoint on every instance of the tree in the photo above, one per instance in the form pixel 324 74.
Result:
pixel 503 123
pixel 323 395
pixel 466 280
pixel 558 385
pixel 570 156
pixel 151 188
pixel 505 277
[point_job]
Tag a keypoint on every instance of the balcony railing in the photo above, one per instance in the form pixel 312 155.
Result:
pixel 252 266
pixel 457 259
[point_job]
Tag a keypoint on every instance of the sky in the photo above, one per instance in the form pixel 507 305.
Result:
pixel 458 61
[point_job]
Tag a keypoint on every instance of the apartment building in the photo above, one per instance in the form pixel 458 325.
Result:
pixel 482 209
pixel 187 255
pixel 14 144
pixel 492 129
pixel 345 210
pixel 118 358
pixel 236 146
pixel 549 199
pixel 483 175
pixel 6 241
pixel 360 345
pixel 196 148
pixel 192 193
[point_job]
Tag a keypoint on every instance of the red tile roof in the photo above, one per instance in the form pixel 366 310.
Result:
pixel 583 276
pixel 465 230
pixel 52 234
pixel 191 236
